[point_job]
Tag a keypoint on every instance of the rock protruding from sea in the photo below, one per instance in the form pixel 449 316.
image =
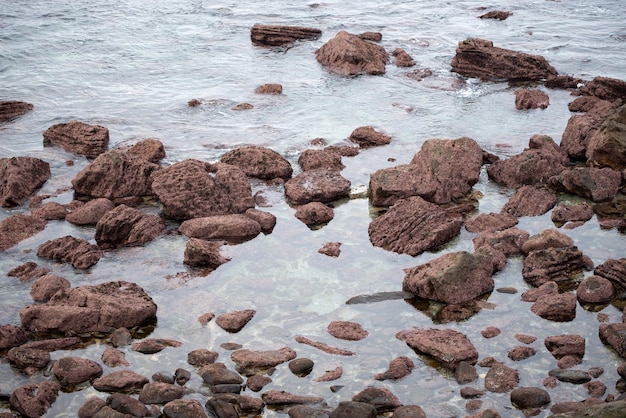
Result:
pixel 34 399
pixel 250 362
pixel 368 136
pixel 78 138
pixel 318 185
pixel 126 226
pixel 259 162
pixel 68 249
pixel 447 346
pixel 348 54
pixel 607 147
pixel 17 228
pixel 148 149
pixel 91 212
pixel 234 228
pixel 453 278
pixel 91 309
pixel 443 170
pixel 478 58
pixel 279 35
pixel 203 253
pixel 413 225
pixel 193 189
pixel 114 175
pixel 312 159
pixel 596 184
pixel 20 177
pixel 12 109
pixel 531 99
pixel 614 271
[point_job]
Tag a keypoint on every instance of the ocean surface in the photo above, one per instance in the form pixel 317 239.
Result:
pixel 132 66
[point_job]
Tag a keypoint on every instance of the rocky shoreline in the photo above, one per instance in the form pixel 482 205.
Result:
pixel 422 206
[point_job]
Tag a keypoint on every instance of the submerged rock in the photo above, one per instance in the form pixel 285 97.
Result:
pixel 34 399
pixel 20 177
pixel 235 228
pixel 203 253
pixel 236 320
pixel 347 330
pixel 249 362
pixel 78 138
pixel 531 99
pixel 348 54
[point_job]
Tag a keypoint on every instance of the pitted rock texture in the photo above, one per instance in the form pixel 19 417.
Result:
pixel 20 177
pixel 78 138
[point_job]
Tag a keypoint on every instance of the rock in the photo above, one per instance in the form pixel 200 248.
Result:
pixel 368 136
pixel 501 379
pixel 301 366
pixel 491 222
pixel 94 406
pixel 548 288
pixel 47 286
pixel 380 398
pixel 266 220
pixel 126 404
pixel 348 54
pixel 568 362
pixel 509 241
pixel 317 186
pixel 249 362
pixel 11 336
pixel 201 357
pixel 120 381
pixel 79 252
pixel 259 162
pixel 398 368
pixel 51 211
pixel 605 88
pixel 180 408
pixel 576 377
pixel 553 264
pixel 160 393
pixel 315 214
pixel 348 409
pixel 28 271
pixel 581 128
pixel 126 226
pixel 531 99
pixel 453 278
pixel 607 146
pixel 490 332
pixel 596 184
pixel 202 253
pixel 447 346
pixel 529 397
pixel 595 289
pixel 442 171
pixel 193 189
pixel 409 411
pixel 113 357
pixel 20 177
pixel 331 249
pixel 17 228
pixel 478 58
pixel 565 345
pixel 151 150
pixel 78 138
pixel 465 373
pixel 596 409
pixel 235 321
pixel 305 411
pixel 324 347
pixel 469 392
pixel 412 226
pixel 24 357
pixel 496 15
pixel 74 370
pixel 276 397
pixel 533 166
pixel 529 201
pixel 270 88
pixel 330 375
pixel 614 271
pixel 402 58
pixel 154 345
pixel 328 159
pixel 595 388
pixel 347 330
pixel 34 399
pixel 217 374
pixel 279 35
pixel 91 212
pixel 256 382
pixel 558 308
pixel 53 344
pixel 615 336
pixel 13 109
pixel 99 308
pixel 114 175
pixel 548 238
pixel 563 82
pixel 521 353
pixel 234 228
pixel 571 212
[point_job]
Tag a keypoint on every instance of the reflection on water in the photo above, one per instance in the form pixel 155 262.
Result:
pixel 133 66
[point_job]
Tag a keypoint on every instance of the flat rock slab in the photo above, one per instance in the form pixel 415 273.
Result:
pixel 277 398
pixel 125 381
pixel 278 35
pixel 249 362
pixel 78 138
pixel 20 177
pixel 76 251
pixel 614 271
pixel 447 346
pixel 235 228
pixel 235 321
pixel 17 228
pixel 346 330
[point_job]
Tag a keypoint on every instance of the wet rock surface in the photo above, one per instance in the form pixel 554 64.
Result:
pixel 348 54
pixel 20 177
pixel 78 137
pixel 259 162
pixel 278 35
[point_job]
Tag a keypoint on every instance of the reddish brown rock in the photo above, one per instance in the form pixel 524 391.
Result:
pixel 371 36
pixel 34 399
pixel 452 278
pixel 412 226
pixel 380 398
pixel 53 344
pixel 326 158
pixel 596 184
pixel 347 330
pixel 398 368
pixel 11 336
pixel 509 241
pixel 126 404
pixel 501 378
pixel 615 336
pixel 595 289
pixel 278 398
pixel 330 375
pixel 402 58
pixel 409 411
pixel 249 362
pixel 121 381
pixel 581 128
pixel 447 346
pixel 78 138
pixel 236 320
pixel 548 288
pixel 533 166
pixel 491 222
pixel 17 228
pixel 614 271
pixel 201 357
pixel 184 408
pixel 607 146
pixel 317 186
pixel 74 370
pixel 557 308
pixel 193 189
pixel 234 228
pixel 563 82
pixel 79 252
pixel 47 286
pixel 521 353
pixel 160 393
pixel 529 397
pixel 266 220
pixel 151 150
pixel 126 226
pixel 530 201
pixel 548 238
pixel 26 357
pixel 605 88
pixel 553 264
pixel 324 347
pixel 28 271
pixel 99 308
pixel 354 409
pixel 12 109
pixel 331 249
pixel 270 88
pixel 442 171
pixel 256 382
pixel 561 346
pixel 496 15
pixel 259 162
pixel 315 214
pixel 20 177
pixel 279 35
pixel 571 212
pixel 154 345
pixel 113 357
pixel 91 212
pixel 202 253
pixel 114 175
pixel 348 54
pixel 478 58
pixel 368 136
pixel 531 99
pixel 465 373
pixel 51 211
pixel 301 367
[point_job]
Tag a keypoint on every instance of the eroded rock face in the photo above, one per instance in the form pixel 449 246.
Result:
pixel 279 35
pixel 596 184
pixel 126 226
pixel 615 336
pixel 74 370
pixel 607 147
pixel 17 228
pixel 259 162
pixel 413 225
pixel 78 138
pixel 151 150
pixel 531 167
pixel 20 177
pixel 315 214
pixel 530 201
pixel 87 309
pixel 478 58
pixel 193 189
pixel 447 346
pixel 203 253
pixel 317 186
pixel 232 228
pixel 348 54
pixel 380 398
pixel 572 212
pixel 443 170
pixel 79 252
pixel 553 264
pixel 531 99
pixel 12 109
pixel 614 271
pixel 34 399
pixel 328 159
pixel 581 128
pixel 605 88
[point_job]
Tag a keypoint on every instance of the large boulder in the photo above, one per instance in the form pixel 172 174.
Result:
pixel 318 185
pixel 90 309
pixel 148 149
pixel 581 128
pixel 259 162
pixel 478 58
pixel 11 109
pixel 447 346
pixel 607 147
pixel 348 54
pixel 193 189
pixel 413 225
pixel 68 249
pixel 78 138
pixel 279 35
pixel 312 159
pixel 443 170
pixel 596 184
pixel 115 174
pixel 232 228
pixel 17 228
pixel 20 177
pixel 126 226
pixel 452 278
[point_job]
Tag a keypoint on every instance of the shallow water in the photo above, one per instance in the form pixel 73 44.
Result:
pixel 132 66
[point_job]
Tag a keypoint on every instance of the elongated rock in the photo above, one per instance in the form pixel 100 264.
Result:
pixel 277 35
